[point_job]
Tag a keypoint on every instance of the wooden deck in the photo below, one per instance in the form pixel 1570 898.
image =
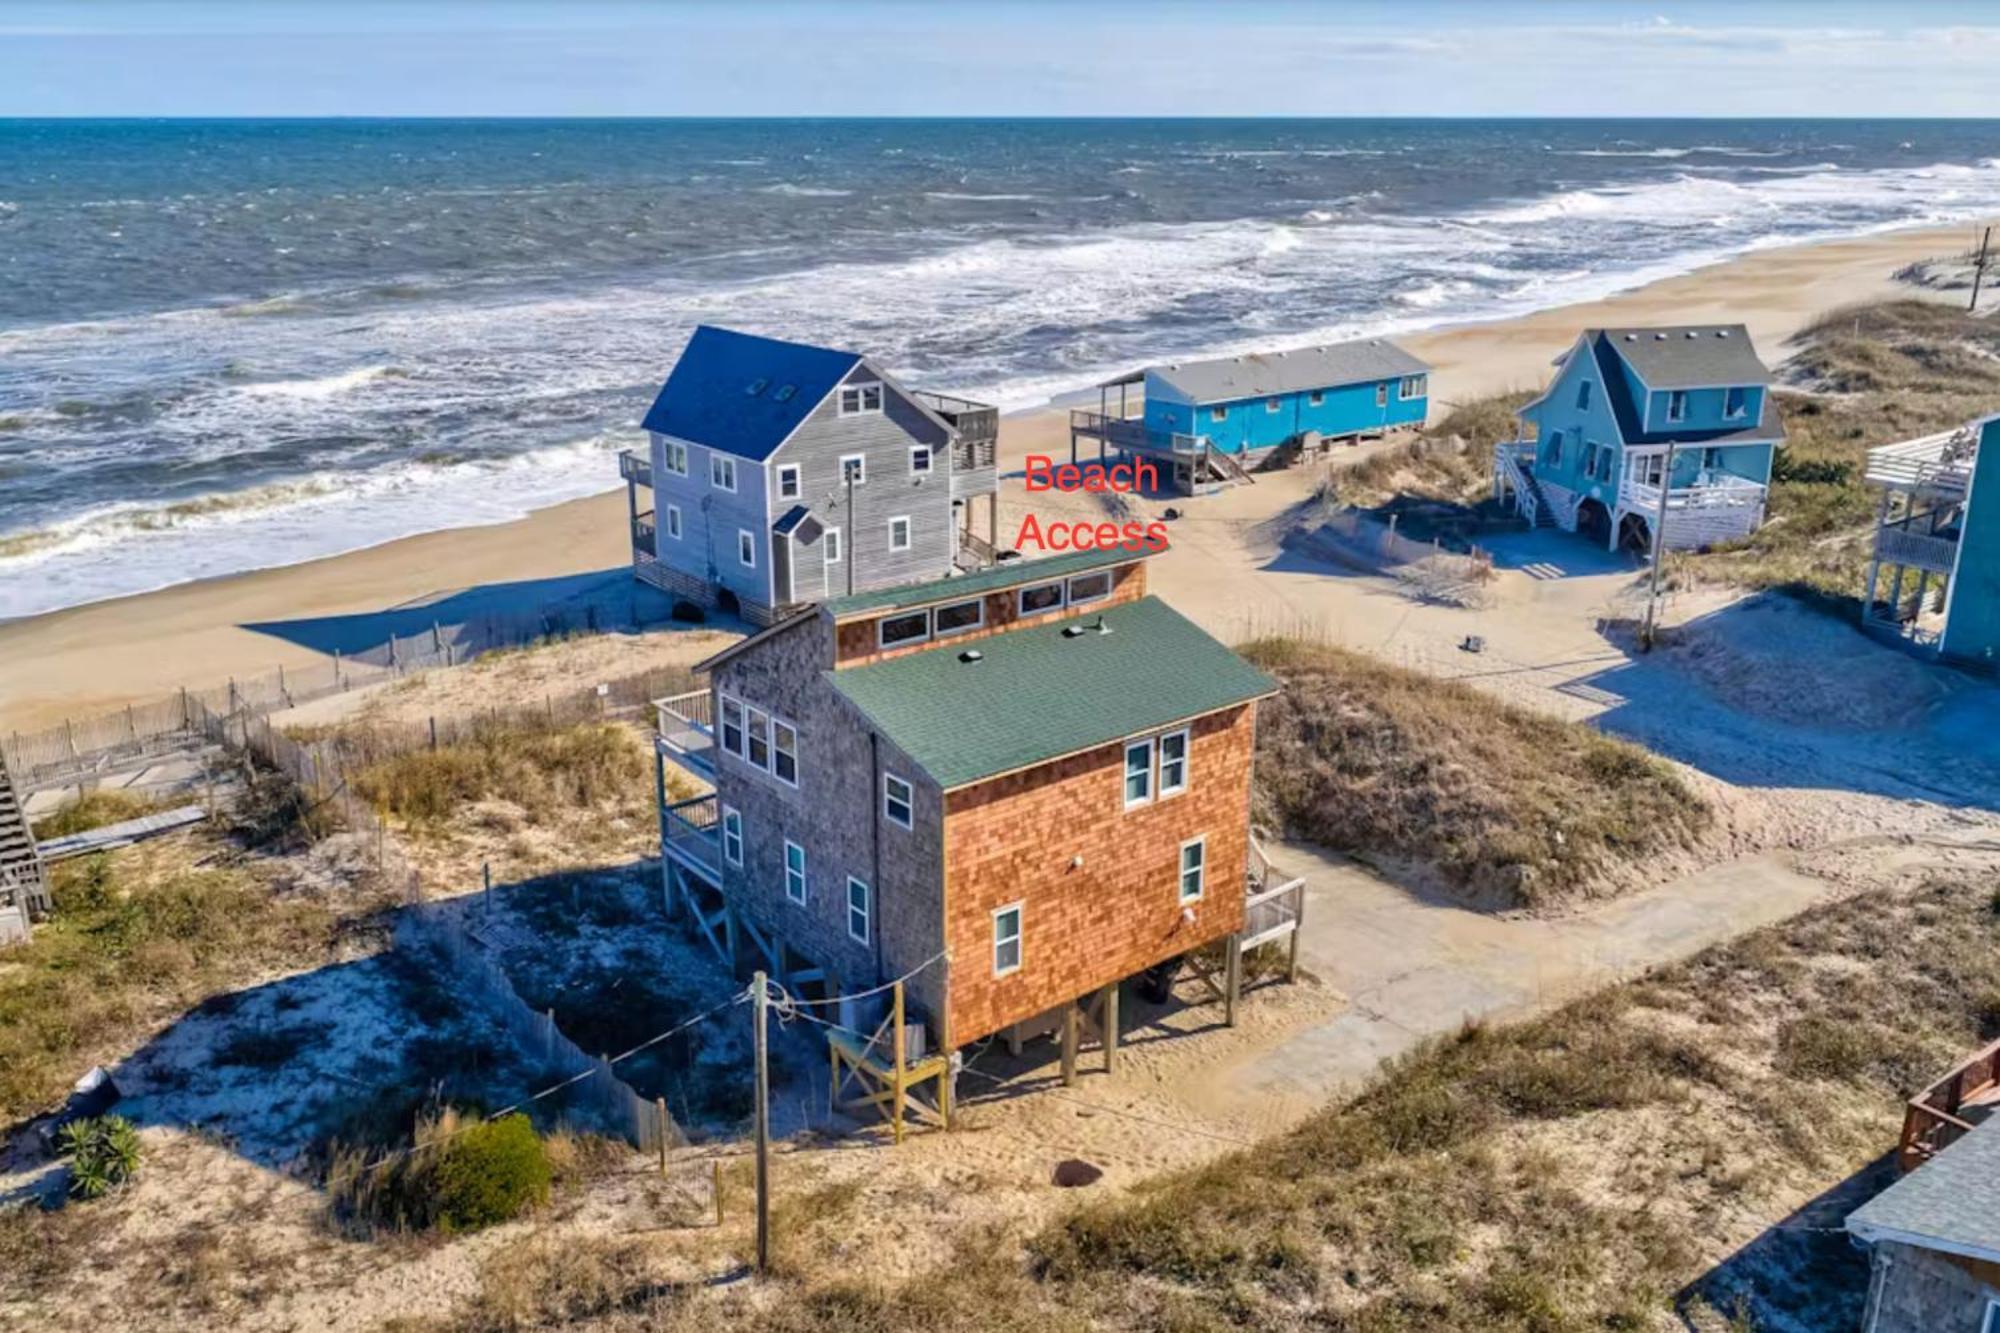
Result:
pixel 1950 1108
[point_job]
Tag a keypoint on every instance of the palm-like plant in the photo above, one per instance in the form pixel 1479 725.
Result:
pixel 104 1153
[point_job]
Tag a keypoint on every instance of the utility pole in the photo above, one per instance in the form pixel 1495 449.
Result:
pixel 763 1122
pixel 1979 269
pixel 1659 550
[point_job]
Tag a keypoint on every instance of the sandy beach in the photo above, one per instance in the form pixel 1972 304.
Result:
pixel 103 655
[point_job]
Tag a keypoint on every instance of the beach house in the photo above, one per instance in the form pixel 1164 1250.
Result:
pixel 1207 415
pixel 1645 432
pixel 1011 789
pixel 779 474
pixel 1934 579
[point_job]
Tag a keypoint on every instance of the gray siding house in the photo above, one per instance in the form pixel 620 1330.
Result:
pixel 782 474
pixel 1934 1239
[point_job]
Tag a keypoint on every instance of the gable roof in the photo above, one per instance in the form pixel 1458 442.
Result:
pixel 1950 1203
pixel 1038 693
pixel 1259 374
pixel 707 398
pixel 1006 574
pixel 1770 425
pixel 1688 356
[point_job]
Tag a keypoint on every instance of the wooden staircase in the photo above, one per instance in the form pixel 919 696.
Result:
pixel 23 884
pixel 1228 468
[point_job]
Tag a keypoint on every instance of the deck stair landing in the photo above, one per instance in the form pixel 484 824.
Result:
pixel 24 887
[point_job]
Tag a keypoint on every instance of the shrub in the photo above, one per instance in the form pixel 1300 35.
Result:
pixel 103 1152
pixel 490 1173
pixel 1828 1048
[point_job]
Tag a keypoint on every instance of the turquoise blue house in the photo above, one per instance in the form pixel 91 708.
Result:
pixel 1673 429
pixel 1935 577
pixel 1245 404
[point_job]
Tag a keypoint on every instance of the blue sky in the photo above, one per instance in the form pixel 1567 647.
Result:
pixel 996 57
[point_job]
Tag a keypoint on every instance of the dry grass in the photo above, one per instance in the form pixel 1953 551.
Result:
pixel 1431 466
pixel 539 769
pixel 93 809
pixel 1506 804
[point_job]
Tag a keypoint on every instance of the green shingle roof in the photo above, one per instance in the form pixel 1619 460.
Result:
pixel 1007 574
pixel 1036 693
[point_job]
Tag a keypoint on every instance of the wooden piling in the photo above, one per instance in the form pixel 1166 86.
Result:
pixel 1070 1021
pixel 1108 1017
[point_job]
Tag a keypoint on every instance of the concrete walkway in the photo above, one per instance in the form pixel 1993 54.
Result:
pixel 1413 967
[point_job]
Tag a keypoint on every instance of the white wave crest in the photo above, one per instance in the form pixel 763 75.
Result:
pixel 315 390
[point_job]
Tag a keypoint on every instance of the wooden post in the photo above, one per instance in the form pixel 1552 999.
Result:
pixel 1108 1016
pixel 338 682
pixel 1298 929
pixel 896 1077
pixel 1979 269
pixel 1659 550
pixel 715 1185
pixel 1014 1039
pixel 762 1110
pixel 486 870
pixel 434 731
pixel 1232 981
pixel 1070 1019
pixel 660 1127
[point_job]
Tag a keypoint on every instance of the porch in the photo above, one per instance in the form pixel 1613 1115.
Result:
pixel 1925 484
pixel 637 472
pixel 1950 1108
pixel 684 733
pixel 1718 507
pixel 1195 467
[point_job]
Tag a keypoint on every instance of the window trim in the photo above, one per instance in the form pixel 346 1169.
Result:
pixel 1555 451
pixel 830 540
pixel 1742 411
pixel 1274 405
pixel 1021 597
pixel 1677 405
pixel 730 812
pixel 860 473
pixel 1126 772
pixel 1382 394
pixel 798 898
pixel 756 720
pixel 909 532
pixel 1412 387
pixel 1583 395
pixel 1069 587
pixel 1019 939
pixel 867 911
pixel 1160 786
pixel 674 521
pixel 883 644
pixel 929 457
pixel 861 392
pixel 1217 415
pixel 1317 398
pixel 746 548
pixel 909 801
pixel 719 464
pixel 1201 871
pixel 742 747
pixel 674 452
pixel 1992 1324
pixel 790 472
pixel 940 632
pixel 792 753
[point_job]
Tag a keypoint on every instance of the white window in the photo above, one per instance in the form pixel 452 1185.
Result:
pixel 674 522
pixel 1041 597
pixel 1583 396
pixel 896 631
pixel 1382 394
pixel 746 547
pixel 858 906
pixel 1089 587
pixel 920 460
pixel 1173 763
pixel 959 617
pixel 1273 404
pixel 795 872
pixel 1007 940
pixel 1677 405
pixel 732 835
pixel 1552 453
pixel 1194 869
pixel 1992 1324
pixel 788 482
pixel 1316 397
pixel 758 732
pixel 732 727
pixel 784 752
pixel 722 472
pixel 832 546
pixel 897 801
pixel 1650 468
pixel 899 533
pixel 1411 387
pixel 1218 414
pixel 854 468
pixel 676 457
pixel 1138 772
pixel 858 398
pixel 1736 403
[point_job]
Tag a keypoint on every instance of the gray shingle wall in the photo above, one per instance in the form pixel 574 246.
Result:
pixel 1922 1291
pixel 710 519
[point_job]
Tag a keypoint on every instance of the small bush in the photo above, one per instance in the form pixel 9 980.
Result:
pixel 1828 1048
pixel 454 1179
pixel 104 1153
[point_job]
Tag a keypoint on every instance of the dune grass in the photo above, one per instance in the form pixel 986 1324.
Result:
pixel 537 768
pixel 1504 803
pixel 93 809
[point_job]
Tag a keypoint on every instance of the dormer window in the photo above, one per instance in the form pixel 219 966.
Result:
pixel 1736 404
pixel 1677 405
pixel 858 398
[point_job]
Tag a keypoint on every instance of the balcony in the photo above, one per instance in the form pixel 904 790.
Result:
pixel 972 453
pixel 686 734
pixel 644 539
pixel 635 469
pixel 1900 544
pixel 691 836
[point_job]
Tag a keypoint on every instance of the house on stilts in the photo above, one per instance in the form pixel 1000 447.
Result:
pixel 988 799
pixel 1644 432
pixel 1934 579
pixel 1210 421
pixel 779 474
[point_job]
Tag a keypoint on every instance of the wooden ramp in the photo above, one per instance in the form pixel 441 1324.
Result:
pixel 122 834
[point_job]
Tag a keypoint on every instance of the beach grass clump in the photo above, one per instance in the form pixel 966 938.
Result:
pixel 1450 460
pixel 1514 808
pixel 459 1174
pixel 541 769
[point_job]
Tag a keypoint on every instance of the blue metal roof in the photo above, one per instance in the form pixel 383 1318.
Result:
pixel 744 394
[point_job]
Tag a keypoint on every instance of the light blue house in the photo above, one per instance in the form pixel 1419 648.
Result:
pixel 1245 404
pixel 1935 577
pixel 1633 411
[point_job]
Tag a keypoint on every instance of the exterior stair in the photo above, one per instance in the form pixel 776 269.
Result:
pixel 22 881
pixel 1544 516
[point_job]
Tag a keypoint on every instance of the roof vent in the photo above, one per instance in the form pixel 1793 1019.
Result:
pixel 1631 337
pixel 972 655
pixel 1722 333
pixel 1659 337
pixel 1073 631
pixel 1692 334
pixel 756 387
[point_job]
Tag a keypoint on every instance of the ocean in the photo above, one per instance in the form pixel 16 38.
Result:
pixel 228 345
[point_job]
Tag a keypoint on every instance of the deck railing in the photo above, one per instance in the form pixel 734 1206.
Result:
pixel 643 535
pixel 1133 433
pixel 1919 550
pixel 687 732
pixel 1931 1121
pixel 633 468
pixel 690 832
pixel 1725 491
pixel 1509 473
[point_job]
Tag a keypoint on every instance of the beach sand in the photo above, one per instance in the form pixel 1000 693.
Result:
pixel 105 655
